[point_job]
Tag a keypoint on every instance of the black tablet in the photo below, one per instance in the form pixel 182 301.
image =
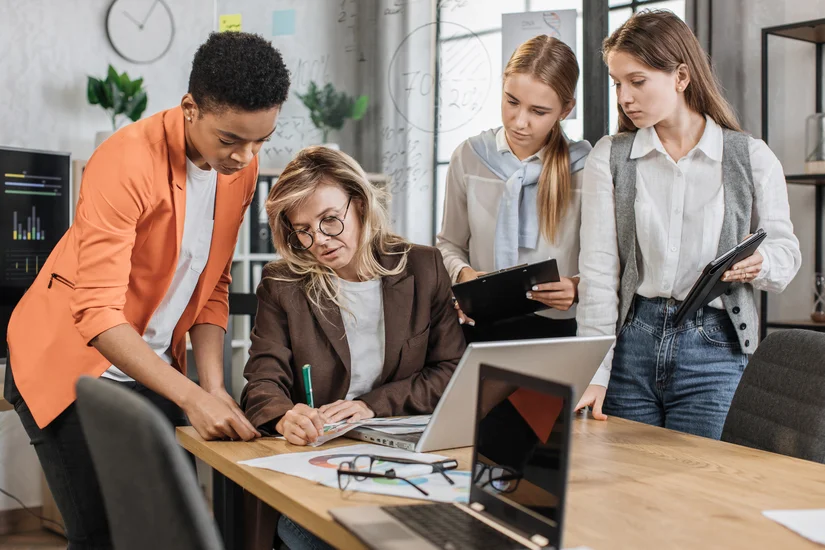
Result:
pixel 710 284
pixel 503 294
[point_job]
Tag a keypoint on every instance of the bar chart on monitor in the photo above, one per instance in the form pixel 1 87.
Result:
pixel 33 211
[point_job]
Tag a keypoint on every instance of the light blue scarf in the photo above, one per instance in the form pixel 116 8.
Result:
pixel 517 225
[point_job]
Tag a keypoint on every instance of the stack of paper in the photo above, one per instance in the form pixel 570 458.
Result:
pixel 395 425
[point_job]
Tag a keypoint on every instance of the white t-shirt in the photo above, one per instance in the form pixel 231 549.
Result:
pixel 199 220
pixel 362 310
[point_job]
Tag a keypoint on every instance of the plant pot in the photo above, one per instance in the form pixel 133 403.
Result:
pixel 100 137
pixel 331 146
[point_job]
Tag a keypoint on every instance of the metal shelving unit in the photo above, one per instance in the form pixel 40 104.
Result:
pixel 812 32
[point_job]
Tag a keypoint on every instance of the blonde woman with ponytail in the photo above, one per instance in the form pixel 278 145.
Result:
pixel 371 313
pixel 513 192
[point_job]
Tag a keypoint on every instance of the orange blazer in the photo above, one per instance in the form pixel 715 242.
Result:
pixel 115 263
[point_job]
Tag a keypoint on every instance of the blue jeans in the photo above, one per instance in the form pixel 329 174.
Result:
pixel 296 537
pixel 679 377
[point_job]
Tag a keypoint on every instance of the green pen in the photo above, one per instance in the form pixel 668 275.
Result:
pixel 306 369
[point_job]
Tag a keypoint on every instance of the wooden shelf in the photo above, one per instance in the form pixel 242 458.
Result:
pixel 806 179
pixel 803 323
pixel 809 31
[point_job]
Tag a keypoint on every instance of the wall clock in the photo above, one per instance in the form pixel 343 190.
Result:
pixel 140 31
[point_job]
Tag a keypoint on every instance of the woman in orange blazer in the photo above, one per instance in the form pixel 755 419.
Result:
pixel 147 260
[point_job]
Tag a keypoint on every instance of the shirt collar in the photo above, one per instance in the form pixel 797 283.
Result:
pixel 504 147
pixel 710 143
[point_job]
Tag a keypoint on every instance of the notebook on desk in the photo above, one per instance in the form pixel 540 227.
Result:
pixel 517 496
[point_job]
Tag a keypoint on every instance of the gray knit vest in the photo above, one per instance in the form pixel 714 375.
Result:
pixel 737 180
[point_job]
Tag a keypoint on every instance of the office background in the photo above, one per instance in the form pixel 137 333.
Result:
pixel 49 47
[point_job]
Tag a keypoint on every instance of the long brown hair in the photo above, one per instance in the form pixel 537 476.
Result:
pixel 553 63
pixel 314 167
pixel 662 41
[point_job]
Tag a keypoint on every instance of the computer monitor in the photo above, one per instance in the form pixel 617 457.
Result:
pixel 35 208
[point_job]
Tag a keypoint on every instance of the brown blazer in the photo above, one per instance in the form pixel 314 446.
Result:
pixel 424 343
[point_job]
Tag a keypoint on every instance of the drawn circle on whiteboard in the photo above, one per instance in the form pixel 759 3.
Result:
pixel 459 93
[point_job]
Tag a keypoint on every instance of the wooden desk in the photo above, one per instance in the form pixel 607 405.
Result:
pixel 631 486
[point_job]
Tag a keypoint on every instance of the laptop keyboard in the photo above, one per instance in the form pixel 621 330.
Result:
pixel 449 528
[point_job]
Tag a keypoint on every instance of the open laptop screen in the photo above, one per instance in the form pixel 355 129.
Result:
pixel 522 446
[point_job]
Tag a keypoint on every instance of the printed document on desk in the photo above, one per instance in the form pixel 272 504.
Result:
pixel 322 467
pixel 808 523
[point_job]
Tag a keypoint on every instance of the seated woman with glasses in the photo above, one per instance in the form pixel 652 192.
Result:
pixel 370 313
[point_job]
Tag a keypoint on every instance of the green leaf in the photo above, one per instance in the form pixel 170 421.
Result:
pixel 117 98
pixel 359 109
pixel 93 90
pixel 135 87
pixel 112 76
pixel 135 106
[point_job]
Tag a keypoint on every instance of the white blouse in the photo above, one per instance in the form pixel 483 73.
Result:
pixel 679 212
pixel 471 205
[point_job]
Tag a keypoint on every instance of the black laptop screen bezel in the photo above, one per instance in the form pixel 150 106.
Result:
pixel 501 510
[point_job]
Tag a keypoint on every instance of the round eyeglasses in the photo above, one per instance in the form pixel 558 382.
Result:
pixel 331 226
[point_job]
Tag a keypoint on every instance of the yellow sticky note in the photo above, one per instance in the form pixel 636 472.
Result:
pixel 230 22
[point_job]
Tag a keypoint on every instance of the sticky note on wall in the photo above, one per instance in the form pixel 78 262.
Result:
pixel 283 22
pixel 230 22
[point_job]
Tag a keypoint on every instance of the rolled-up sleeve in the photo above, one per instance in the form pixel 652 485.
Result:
pixel 115 194
pixel 771 211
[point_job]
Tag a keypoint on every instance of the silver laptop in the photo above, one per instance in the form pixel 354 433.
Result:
pixel 517 493
pixel 572 361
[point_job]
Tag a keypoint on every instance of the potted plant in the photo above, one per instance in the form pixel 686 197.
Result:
pixel 329 109
pixel 120 96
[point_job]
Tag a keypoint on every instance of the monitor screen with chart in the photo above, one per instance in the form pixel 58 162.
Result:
pixel 34 215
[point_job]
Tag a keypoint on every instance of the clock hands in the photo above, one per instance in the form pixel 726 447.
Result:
pixel 155 3
pixel 141 24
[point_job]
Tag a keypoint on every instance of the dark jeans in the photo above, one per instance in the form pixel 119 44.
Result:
pixel 678 377
pixel 67 465
pixel 524 327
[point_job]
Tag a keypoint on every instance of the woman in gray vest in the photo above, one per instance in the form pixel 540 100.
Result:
pixel 679 184
pixel 514 193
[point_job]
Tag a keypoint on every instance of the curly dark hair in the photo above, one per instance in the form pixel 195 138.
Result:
pixel 238 70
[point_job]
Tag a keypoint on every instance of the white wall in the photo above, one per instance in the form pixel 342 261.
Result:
pixel 48 49
pixel 737 53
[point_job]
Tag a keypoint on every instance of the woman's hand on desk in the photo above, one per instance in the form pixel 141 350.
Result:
pixel 561 295
pixel 213 417
pixel 301 424
pixel 594 398
pixel 746 270
pixel 341 410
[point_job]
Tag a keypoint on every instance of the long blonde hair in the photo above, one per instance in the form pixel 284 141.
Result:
pixel 662 41
pixel 553 63
pixel 310 169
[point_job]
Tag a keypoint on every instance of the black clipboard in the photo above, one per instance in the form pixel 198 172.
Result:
pixel 503 294
pixel 710 284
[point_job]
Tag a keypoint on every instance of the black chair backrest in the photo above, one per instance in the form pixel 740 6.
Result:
pixel 149 485
pixel 779 405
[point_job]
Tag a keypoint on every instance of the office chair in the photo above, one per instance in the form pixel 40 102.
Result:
pixel 779 405
pixel 149 486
